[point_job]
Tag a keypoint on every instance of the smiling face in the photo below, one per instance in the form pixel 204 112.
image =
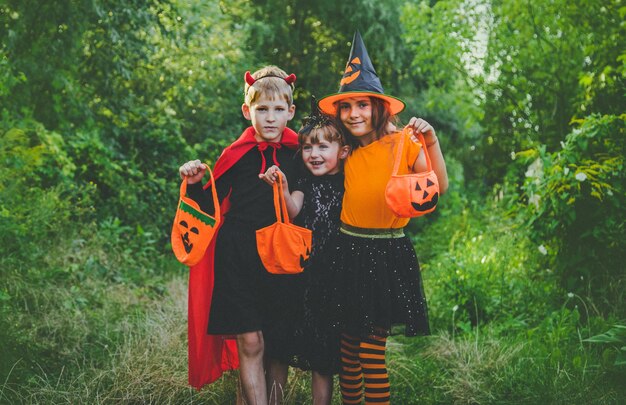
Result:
pixel 269 116
pixel 355 114
pixel 323 157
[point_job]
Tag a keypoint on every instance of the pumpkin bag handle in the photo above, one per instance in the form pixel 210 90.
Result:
pixel 406 132
pixel 216 202
pixel 280 206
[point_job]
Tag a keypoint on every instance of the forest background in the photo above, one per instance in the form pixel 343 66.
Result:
pixel 101 101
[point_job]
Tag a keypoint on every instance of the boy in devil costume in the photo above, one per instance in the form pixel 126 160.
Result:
pixel 229 288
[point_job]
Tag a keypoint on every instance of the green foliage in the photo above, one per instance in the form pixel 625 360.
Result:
pixel 548 363
pixel 101 101
pixel 616 337
pixel 131 90
pixel 479 262
pixel 63 267
pixel 575 199
pixel 604 71
pixel 313 39
pixel 529 67
pixel 30 210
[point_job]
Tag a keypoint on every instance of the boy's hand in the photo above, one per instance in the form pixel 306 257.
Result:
pixel 271 176
pixel 418 125
pixel 193 170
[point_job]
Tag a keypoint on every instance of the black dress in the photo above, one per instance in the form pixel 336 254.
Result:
pixel 300 334
pixel 242 286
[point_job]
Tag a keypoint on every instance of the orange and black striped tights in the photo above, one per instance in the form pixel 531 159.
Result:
pixel 363 365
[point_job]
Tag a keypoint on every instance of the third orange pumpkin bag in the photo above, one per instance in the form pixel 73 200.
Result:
pixel 415 194
pixel 284 248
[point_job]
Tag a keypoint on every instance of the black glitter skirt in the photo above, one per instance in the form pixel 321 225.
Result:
pixel 377 284
pixel 298 332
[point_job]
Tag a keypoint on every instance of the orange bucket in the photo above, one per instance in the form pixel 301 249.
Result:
pixel 415 194
pixel 193 229
pixel 284 248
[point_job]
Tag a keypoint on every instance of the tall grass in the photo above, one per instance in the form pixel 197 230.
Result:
pixel 485 367
pixel 146 365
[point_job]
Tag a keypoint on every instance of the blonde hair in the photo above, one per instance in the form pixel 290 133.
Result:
pixel 269 82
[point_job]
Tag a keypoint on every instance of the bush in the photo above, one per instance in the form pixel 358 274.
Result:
pixel 69 281
pixel 575 202
pixel 484 268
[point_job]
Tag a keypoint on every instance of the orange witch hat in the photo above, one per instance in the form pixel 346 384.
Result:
pixel 359 79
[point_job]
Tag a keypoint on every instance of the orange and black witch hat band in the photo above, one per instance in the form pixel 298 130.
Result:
pixel 359 79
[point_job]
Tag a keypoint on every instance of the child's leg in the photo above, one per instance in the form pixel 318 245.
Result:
pixel 372 356
pixel 250 346
pixel 276 380
pixel 322 388
pixel 351 376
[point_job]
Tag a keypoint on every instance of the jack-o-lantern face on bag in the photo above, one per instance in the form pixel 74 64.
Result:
pixel 426 194
pixel 193 229
pixel 415 194
pixel 185 236
pixel 304 258
pixel 353 70
pixel 201 225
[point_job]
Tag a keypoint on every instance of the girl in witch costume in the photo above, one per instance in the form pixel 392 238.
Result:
pixel 229 288
pixel 300 335
pixel 378 278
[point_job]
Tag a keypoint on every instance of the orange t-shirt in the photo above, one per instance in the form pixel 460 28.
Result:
pixel 367 171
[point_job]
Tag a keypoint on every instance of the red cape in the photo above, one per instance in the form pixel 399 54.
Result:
pixel 211 355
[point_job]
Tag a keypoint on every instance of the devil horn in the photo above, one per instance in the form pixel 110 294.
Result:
pixel 290 79
pixel 249 79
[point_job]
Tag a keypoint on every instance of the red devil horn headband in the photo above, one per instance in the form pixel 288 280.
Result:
pixel 250 80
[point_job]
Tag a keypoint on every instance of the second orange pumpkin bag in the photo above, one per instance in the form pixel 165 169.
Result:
pixel 415 194
pixel 284 248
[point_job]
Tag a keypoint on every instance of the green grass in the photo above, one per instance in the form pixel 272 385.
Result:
pixel 148 365
pixel 96 314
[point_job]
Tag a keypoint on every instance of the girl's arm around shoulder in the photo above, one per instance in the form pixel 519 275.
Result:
pixel 293 200
pixel 434 151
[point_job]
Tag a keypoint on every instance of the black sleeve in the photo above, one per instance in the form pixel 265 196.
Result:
pixel 296 181
pixel 298 184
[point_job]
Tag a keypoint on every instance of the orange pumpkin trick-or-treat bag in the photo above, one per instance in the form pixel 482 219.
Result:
pixel 193 229
pixel 415 194
pixel 284 248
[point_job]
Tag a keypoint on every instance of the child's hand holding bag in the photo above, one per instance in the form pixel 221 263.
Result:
pixel 284 248
pixel 193 229
pixel 415 194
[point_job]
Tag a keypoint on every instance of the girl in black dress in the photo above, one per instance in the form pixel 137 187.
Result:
pixel 300 335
